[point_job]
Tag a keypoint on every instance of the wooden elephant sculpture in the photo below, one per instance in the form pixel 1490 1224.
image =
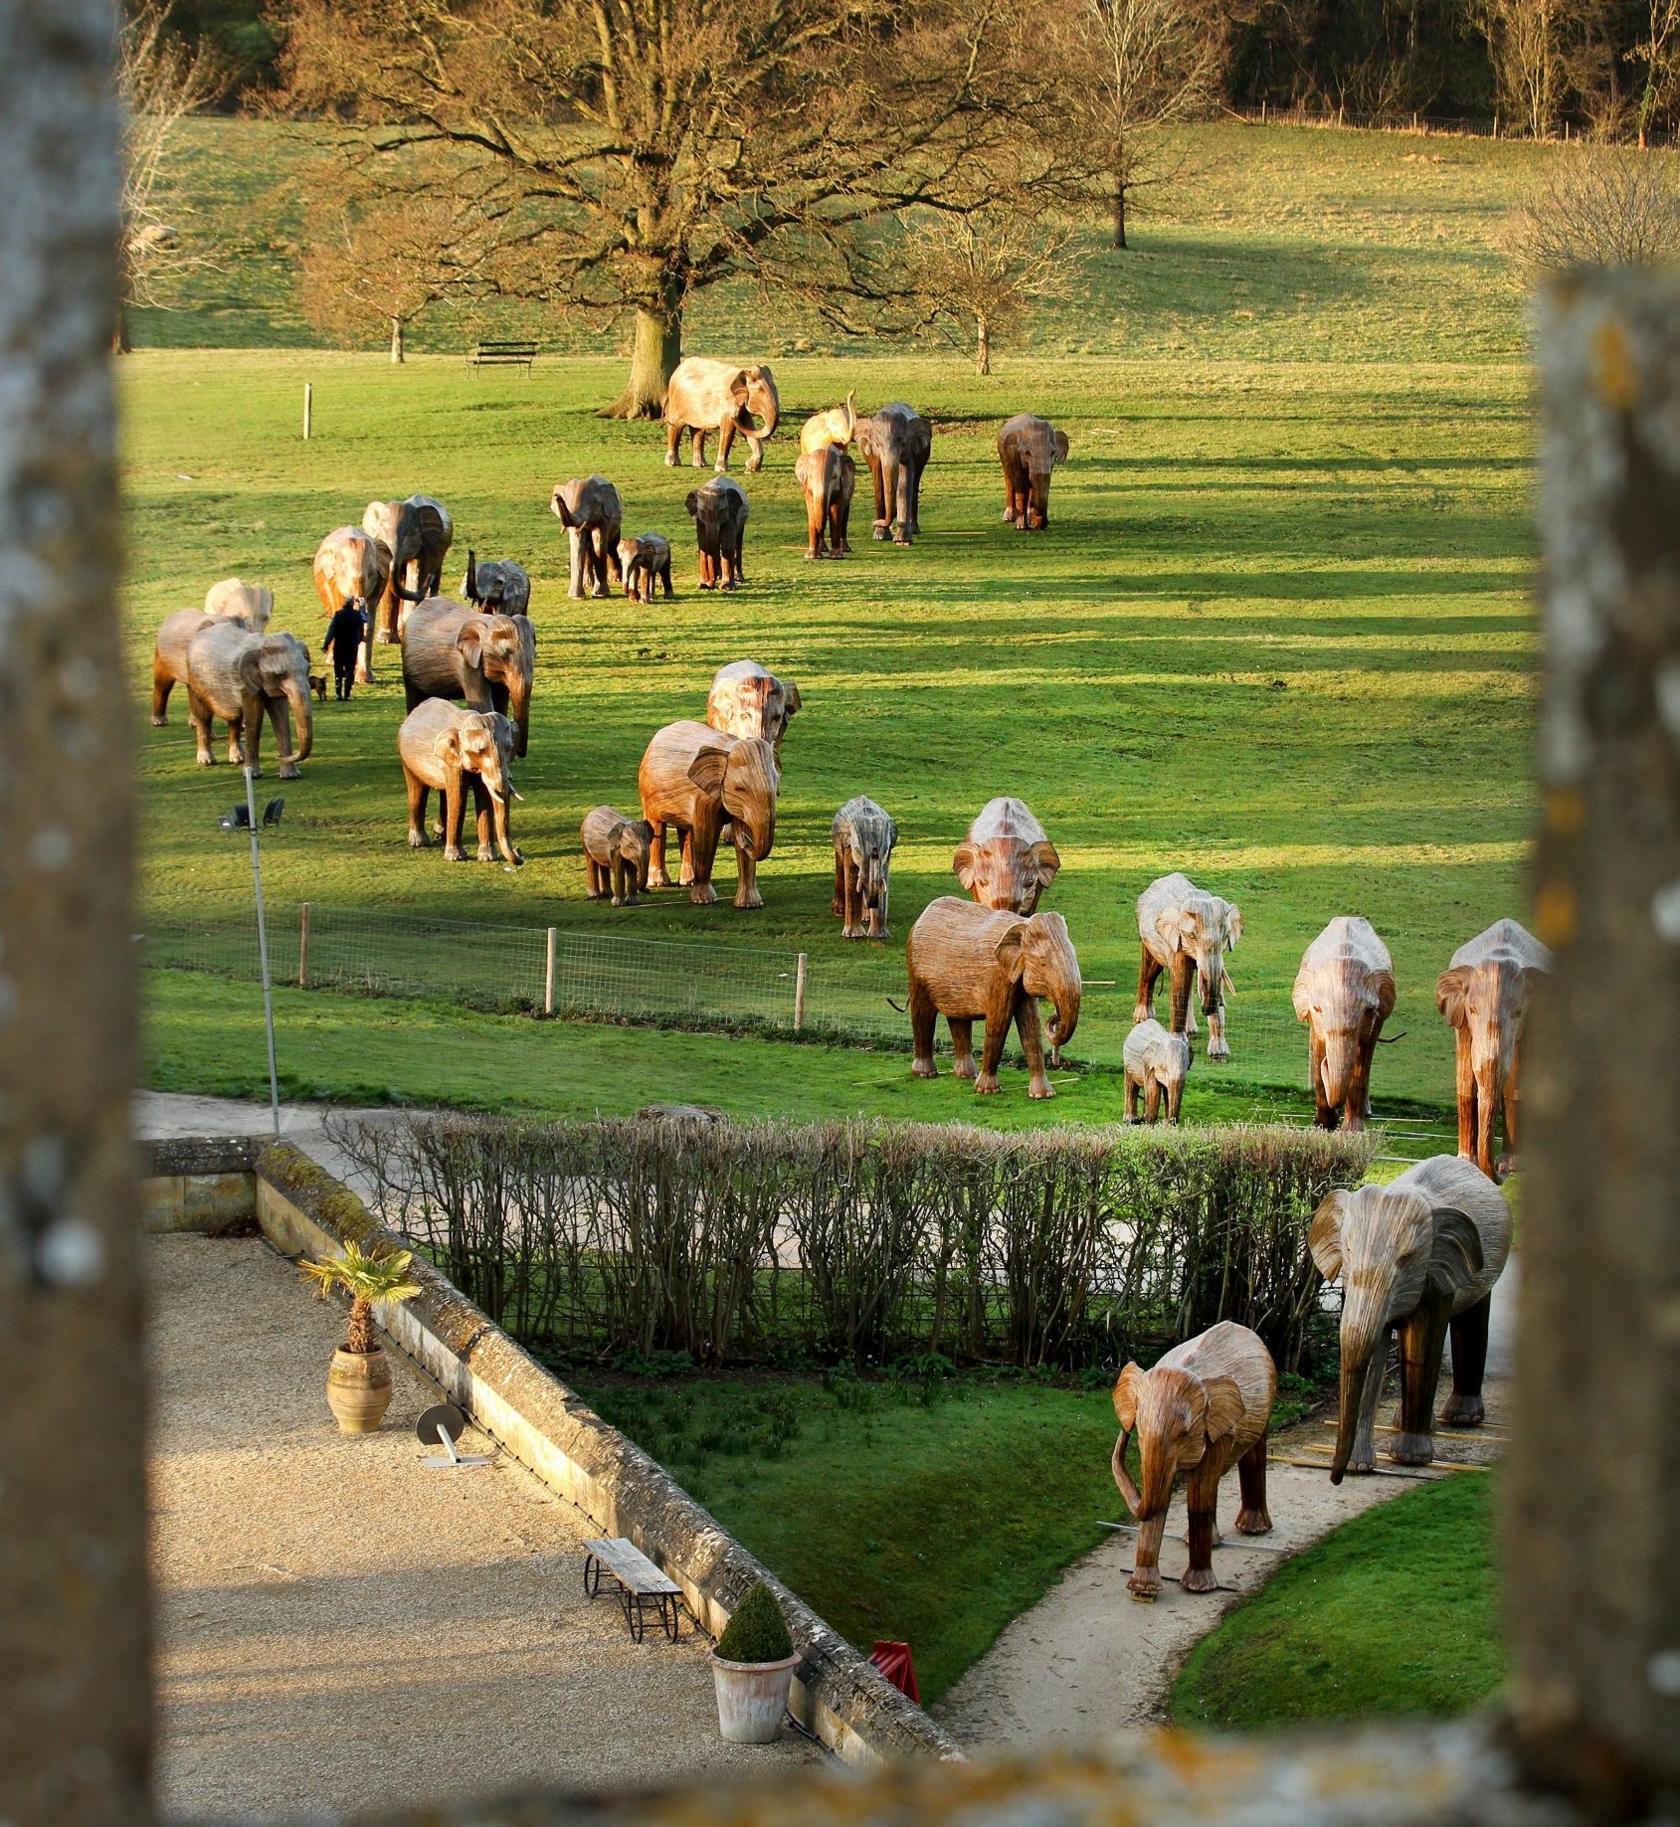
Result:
pixel 1205 1406
pixel 1186 932
pixel 746 700
pixel 590 510
pixel 1006 860
pixel 836 426
pixel 829 478
pixel 972 964
pixel 643 561
pixel 1484 995
pixel 1156 1062
pixel 896 443
pixel 241 678
pixel 489 661
pixel 1029 449
pixel 251 604
pixel 451 751
pixel 351 566
pixel 699 779
pixel 719 513
pixel 864 837
pixel 616 854
pixel 705 395
pixel 417 533
pixel 1344 991
pixel 500 585
pixel 169 654
pixel 1416 1258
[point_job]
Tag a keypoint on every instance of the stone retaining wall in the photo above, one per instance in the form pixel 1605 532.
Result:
pixel 206 1184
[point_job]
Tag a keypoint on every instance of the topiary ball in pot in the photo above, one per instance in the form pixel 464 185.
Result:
pixel 752 1668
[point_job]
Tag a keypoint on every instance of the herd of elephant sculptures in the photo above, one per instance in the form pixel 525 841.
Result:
pixel 468 668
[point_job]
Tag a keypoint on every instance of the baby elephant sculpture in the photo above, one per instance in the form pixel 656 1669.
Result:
pixel 698 779
pixel 1204 1407
pixel 746 700
pixel 496 585
pixel 351 566
pixel 719 513
pixel 590 510
pixel 836 426
pixel 1415 1258
pixel 1344 991
pixel 1029 448
pixel 241 678
pixel 896 443
pixel 828 477
pixel 1155 1063
pixel 1484 994
pixel 972 964
pixel 616 852
pixel 1187 933
pixel 450 751
pixel 642 562
pixel 1006 860
pixel 864 836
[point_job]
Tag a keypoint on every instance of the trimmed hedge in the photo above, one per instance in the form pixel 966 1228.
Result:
pixel 864 1242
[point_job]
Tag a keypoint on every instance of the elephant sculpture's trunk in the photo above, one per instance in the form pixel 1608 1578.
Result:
pixel 1337 1074
pixel 303 721
pixel 770 415
pixel 1363 1338
pixel 1066 1017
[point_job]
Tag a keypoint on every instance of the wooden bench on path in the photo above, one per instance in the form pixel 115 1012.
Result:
pixel 640 1583
pixel 502 355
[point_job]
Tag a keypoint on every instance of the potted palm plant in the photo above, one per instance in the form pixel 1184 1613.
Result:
pixel 752 1668
pixel 359 1377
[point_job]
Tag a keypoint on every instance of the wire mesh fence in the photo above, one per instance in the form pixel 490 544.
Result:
pixel 856 996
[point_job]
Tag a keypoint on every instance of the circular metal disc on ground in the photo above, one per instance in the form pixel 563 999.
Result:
pixel 442 1418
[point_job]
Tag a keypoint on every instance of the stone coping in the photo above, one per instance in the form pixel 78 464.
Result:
pixel 211 1183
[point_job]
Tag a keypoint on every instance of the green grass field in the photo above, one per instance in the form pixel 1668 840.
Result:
pixel 1278 634
pixel 1396 1613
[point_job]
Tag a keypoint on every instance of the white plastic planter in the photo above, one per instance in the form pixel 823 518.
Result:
pixel 751 1698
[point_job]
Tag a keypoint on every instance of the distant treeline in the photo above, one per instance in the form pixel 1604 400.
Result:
pixel 1606 67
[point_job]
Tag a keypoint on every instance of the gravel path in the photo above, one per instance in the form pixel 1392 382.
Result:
pixel 339 1627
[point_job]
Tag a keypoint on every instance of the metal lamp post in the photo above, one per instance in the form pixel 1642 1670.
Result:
pixel 244 818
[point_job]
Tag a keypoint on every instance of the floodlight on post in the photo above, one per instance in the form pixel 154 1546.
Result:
pixel 244 818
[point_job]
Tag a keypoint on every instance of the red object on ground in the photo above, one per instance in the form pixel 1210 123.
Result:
pixel 893 1660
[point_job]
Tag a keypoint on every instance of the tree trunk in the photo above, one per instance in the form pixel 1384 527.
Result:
pixel 983 346
pixel 1120 218
pixel 658 349
pixel 396 339
pixel 122 338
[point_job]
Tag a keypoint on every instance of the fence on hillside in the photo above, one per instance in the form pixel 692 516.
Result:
pixel 846 994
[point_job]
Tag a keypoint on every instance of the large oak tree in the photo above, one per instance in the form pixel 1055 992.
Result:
pixel 629 154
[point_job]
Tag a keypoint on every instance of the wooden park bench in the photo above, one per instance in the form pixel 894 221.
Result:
pixel 640 1584
pixel 502 355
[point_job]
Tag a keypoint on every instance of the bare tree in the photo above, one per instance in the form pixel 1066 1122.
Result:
pixel 982 272
pixel 1132 69
pixel 1658 51
pixel 158 82
pixel 629 155
pixel 1525 45
pixel 1601 207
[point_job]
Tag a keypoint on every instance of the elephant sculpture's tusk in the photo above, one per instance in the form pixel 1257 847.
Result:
pixel 1123 1478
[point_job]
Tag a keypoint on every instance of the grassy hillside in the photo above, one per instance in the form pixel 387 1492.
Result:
pixel 1278 634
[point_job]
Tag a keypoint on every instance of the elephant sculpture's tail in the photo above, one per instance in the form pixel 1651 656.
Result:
pixel 469 583
pixel 902 1007
pixel 1388 1040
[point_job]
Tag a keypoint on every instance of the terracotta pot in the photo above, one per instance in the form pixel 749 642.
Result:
pixel 359 1389
pixel 751 1698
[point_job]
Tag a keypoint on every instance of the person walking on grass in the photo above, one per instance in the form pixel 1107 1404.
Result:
pixel 345 634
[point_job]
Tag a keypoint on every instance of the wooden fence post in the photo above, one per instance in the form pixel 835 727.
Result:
pixel 308 408
pixel 799 994
pixel 548 972
pixel 303 946
pixel 1593 1480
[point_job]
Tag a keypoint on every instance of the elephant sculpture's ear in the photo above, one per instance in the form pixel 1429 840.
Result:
pixel 1301 995
pixel 251 667
pixel 1061 446
pixel 1455 1258
pixel 1010 949
pixel 691 501
pixel 1233 926
pixel 708 768
pixel 1224 1407
pixel 1324 1236
pixel 1046 862
pixel 790 697
pixel 1128 1391
pixel 447 748
pixel 1384 981
pixel 966 864
pixel 471 641
pixel 1452 993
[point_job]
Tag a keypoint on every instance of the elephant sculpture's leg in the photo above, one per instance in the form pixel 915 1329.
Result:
pixel 1487 1114
pixel 246 734
pixel 1469 1363
pixel 665 576
pixel 915 526
pixel 838 904
pixel 454 810
pixel 281 717
pixel 1509 1160
pixel 1151 1099
pixel 1201 1496
pixel 881 528
pixel 673 437
pixel 163 682
pixel 901 496
pixel 726 438
pixel 1131 1098
pixel 1149 968
pixel 1363 1458
pixel 962 1046
pixel 199 718
pixel 697 446
pixel 685 858
pixel 591 877
pixel 1422 1339
pixel 1253 1518
pixel 417 795
pixel 1183 981
pixel 657 877
pixel 923 1016
pixel 481 817
pixel 1000 1011
pixel 1466 1087
pixel 702 855
pixel 1358 1109
pixel 746 878
pixel 1027 1025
